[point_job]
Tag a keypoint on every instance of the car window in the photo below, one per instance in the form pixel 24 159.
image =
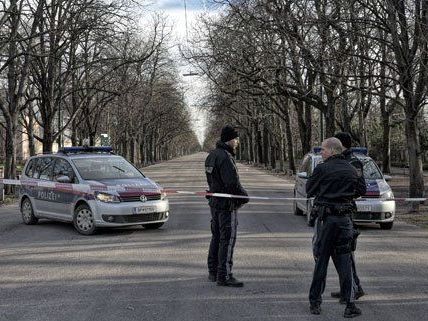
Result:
pixel 31 167
pixel 370 170
pixel 99 168
pixel 45 167
pixel 63 168
pixel 315 162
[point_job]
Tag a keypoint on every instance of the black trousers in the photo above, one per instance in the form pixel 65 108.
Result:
pixel 355 279
pixel 333 236
pixel 220 256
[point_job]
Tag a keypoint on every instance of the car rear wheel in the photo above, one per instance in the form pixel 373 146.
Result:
pixel 386 226
pixel 153 226
pixel 83 220
pixel 28 213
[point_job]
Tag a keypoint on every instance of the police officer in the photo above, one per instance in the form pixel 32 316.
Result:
pixel 334 183
pixel 346 140
pixel 222 177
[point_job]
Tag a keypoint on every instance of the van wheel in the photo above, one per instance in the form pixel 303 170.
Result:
pixel 28 213
pixel 386 226
pixel 83 220
pixel 153 226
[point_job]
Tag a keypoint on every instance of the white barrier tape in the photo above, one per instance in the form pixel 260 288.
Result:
pixel 10 181
pixel 91 188
pixel 288 198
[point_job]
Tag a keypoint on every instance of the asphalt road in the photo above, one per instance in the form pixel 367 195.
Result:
pixel 48 272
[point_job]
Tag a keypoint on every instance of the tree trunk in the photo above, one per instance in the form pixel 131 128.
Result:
pixel 30 134
pixel 92 138
pixel 416 188
pixel 330 114
pixel 266 146
pixel 48 138
pixel 282 147
pixel 386 144
pixel 259 145
pixel 304 120
pixel 253 143
pixel 74 141
pixel 10 148
pixel 290 148
pixel 132 150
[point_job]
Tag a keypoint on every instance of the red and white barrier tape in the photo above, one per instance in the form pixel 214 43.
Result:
pixel 87 188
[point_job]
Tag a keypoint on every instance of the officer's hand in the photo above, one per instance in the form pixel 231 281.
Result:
pixel 208 197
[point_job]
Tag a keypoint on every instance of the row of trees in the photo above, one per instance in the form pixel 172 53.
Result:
pixel 76 69
pixel 292 72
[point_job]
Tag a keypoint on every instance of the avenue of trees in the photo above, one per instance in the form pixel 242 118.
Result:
pixel 71 70
pixel 289 73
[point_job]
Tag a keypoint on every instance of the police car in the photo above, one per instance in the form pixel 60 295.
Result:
pixel 377 206
pixel 90 187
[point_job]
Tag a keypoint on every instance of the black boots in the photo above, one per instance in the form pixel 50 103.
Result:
pixel 351 311
pixel 315 308
pixel 358 295
pixel 231 281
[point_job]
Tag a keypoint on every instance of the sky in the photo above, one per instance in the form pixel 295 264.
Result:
pixel 194 86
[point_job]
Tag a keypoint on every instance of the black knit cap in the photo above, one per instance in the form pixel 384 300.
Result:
pixel 345 139
pixel 228 133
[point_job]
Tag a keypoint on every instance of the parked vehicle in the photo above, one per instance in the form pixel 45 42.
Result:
pixel 90 187
pixel 378 206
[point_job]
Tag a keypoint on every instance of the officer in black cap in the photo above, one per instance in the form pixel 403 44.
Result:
pixel 222 177
pixel 346 140
pixel 335 184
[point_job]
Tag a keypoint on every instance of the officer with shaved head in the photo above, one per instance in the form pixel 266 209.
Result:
pixel 335 184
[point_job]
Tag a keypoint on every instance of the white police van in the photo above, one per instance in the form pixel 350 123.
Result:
pixel 378 206
pixel 90 187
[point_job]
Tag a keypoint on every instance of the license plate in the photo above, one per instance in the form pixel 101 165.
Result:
pixel 365 208
pixel 143 210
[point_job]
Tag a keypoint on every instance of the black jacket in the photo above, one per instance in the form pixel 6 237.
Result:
pixel 222 177
pixel 335 181
pixel 354 161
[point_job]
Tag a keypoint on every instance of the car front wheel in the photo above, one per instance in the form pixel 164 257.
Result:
pixel 83 220
pixel 28 213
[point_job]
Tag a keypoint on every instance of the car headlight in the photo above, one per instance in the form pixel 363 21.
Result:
pixel 387 195
pixel 163 195
pixel 107 198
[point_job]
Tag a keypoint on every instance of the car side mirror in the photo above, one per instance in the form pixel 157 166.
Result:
pixel 63 179
pixel 387 177
pixel 303 175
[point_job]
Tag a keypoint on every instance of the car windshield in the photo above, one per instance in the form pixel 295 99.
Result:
pixel 371 171
pixel 99 168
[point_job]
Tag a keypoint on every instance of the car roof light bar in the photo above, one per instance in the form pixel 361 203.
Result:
pixel 86 149
pixel 359 150
pixel 316 149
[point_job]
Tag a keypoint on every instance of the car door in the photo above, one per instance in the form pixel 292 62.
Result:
pixel 301 181
pixel 29 188
pixel 64 201
pixel 45 192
